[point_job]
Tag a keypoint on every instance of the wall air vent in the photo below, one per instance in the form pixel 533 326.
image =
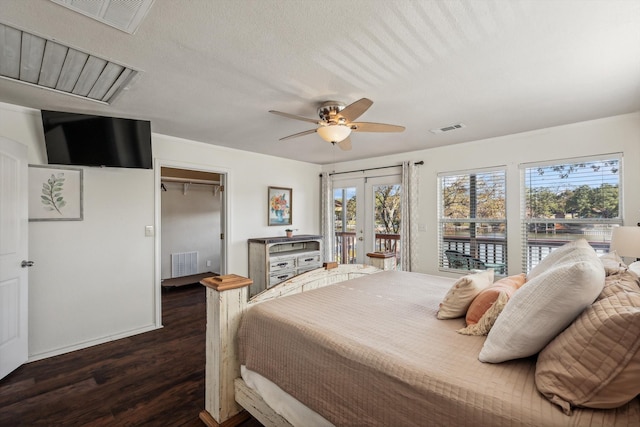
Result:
pixel 125 15
pixel 40 62
pixel 448 128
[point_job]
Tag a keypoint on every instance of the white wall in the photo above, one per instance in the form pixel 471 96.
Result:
pixel 248 177
pixel 95 280
pixel 609 135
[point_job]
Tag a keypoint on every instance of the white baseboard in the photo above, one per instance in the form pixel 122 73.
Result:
pixel 90 343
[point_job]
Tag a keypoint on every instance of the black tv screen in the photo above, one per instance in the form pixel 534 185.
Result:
pixel 88 140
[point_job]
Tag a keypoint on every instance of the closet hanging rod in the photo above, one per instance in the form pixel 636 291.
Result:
pixel 189 181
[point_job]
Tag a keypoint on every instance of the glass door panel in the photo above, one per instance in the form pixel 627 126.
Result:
pixel 346 221
pixel 383 221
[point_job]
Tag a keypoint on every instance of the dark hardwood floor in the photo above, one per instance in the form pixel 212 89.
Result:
pixel 151 379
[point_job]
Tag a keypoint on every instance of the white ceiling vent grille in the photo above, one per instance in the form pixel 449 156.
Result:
pixel 44 63
pixel 448 128
pixel 125 15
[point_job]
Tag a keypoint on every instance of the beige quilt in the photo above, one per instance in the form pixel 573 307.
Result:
pixel 371 352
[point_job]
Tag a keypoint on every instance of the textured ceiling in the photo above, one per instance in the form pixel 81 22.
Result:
pixel 209 70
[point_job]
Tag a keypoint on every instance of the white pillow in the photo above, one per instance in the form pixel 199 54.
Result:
pixel 559 255
pixel 459 297
pixel 546 304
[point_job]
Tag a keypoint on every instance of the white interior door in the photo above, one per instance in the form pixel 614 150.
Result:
pixel 13 255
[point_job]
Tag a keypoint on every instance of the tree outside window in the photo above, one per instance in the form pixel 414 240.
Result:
pixel 568 201
pixel 473 220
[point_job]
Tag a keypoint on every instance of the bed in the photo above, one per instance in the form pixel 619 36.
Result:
pixel 368 350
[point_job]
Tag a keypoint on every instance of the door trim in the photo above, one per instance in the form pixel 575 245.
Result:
pixel 224 222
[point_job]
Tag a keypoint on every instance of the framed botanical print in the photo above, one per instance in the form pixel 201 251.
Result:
pixel 279 207
pixel 55 193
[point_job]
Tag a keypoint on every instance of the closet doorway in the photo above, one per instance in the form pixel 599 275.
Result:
pixel 190 226
pixel 190 212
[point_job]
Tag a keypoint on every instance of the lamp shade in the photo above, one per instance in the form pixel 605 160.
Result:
pixel 334 133
pixel 626 241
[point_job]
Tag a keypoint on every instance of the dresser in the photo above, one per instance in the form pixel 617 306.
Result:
pixel 275 259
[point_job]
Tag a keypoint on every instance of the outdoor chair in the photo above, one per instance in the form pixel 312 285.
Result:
pixel 461 261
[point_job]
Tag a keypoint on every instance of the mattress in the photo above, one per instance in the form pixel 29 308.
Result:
pixel 281 402
pixel 370 351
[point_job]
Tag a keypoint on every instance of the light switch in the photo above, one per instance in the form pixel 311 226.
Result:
pixel 148 230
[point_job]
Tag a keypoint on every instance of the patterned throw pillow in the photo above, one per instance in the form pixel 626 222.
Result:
pixel 462 293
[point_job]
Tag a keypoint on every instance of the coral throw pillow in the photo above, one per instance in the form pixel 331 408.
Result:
pixel 487 297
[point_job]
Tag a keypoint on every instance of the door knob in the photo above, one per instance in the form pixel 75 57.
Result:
pixel 25 264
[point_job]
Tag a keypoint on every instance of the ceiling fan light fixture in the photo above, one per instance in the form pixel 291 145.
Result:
pixel 334 133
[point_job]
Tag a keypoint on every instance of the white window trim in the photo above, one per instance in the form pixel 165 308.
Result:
pixel 524 221
pixel 441 220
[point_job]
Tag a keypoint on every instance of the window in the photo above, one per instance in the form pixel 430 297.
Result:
pixel 568 200
pixel 472 231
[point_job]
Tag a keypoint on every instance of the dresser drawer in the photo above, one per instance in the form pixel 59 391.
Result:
pixel 308 260
pixel 281 263
pixel 276 278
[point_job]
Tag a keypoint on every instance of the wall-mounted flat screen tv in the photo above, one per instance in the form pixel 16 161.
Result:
pixel 88 140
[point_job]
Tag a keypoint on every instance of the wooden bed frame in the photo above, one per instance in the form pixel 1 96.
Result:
pixel 226 395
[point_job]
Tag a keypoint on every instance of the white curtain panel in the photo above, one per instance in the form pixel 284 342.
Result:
pixel 326 217
pixel 409 220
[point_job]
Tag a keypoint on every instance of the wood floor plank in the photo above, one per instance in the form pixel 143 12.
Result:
pixel 151 379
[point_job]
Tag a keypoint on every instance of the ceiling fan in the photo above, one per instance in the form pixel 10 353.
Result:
pixel 337 122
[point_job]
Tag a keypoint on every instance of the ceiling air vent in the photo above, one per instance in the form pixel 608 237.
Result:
pixel 125 15
pixel 448 128
pixel 37 61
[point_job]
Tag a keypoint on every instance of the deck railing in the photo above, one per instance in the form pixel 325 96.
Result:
pixel 490 250
pixel 346 245
pixel 538 249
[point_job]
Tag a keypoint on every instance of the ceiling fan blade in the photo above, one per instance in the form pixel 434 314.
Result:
pixel 295 135
pixel 355 110
pixel 345 144
pixel 293 116
pixel 375 127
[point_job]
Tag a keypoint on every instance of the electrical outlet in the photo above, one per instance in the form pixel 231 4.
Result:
pixel 208 263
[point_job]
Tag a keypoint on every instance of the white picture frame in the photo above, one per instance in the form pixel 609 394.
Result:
pixel 55 193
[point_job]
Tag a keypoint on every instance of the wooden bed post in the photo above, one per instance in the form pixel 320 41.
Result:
pixel 382 260
pixel 226 301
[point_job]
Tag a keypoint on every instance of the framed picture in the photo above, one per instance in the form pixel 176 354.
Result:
pixel 279 208
pixel 55 193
